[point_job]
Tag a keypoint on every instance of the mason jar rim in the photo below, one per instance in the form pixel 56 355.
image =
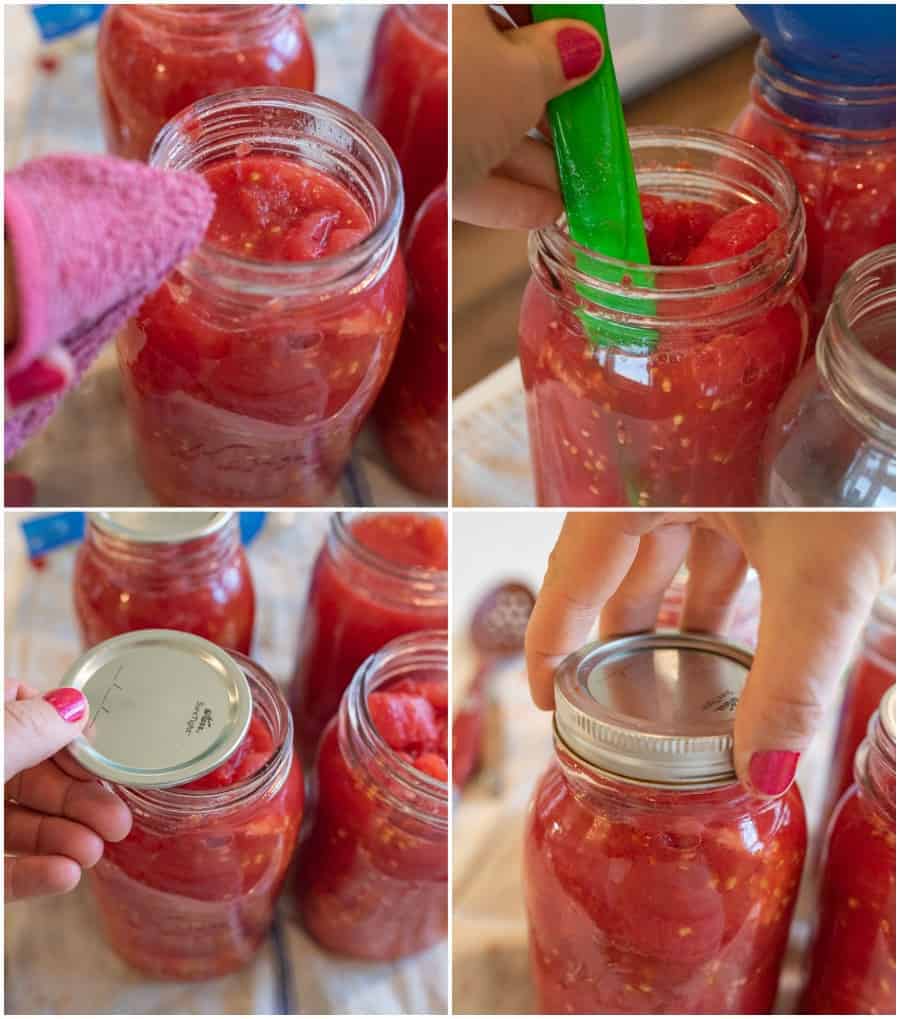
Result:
pixel 433 580
pixel 196 23
pixel 841 355
pixel 553 243
pixel 358 268
pixel 819 90
pixel 424 648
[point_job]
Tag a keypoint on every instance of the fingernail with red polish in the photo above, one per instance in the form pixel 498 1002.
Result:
pixel 38 380
pixel 70 704
pixel 772 771
pixel 580 52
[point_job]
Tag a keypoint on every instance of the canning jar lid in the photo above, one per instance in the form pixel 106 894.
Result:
pixel 166 708
pixel 160 526
pixel 655 707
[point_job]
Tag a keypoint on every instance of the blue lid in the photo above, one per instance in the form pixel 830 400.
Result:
pixel 851 44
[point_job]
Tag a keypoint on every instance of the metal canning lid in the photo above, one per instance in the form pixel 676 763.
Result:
pixel 166 708
pixel 160 526
pixel 655 707
pixel 887 713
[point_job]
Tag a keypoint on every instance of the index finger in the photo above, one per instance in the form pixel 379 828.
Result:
pixel 593 553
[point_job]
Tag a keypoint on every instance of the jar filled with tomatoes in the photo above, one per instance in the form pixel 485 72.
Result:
pixel 833 439
pixel 174 571
pixel 872 674
pixel 249 373
pixel 411 413
pixel 654 386
pixel 378 576
pixel 837 139
pixel 406 94
pixel 372 875
pixel 653 881
pixel 198 743
pixel 154 60
pixel 854 957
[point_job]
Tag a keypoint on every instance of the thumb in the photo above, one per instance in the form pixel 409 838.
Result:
pixel 795 674
pixel 38 727
pixel 552 57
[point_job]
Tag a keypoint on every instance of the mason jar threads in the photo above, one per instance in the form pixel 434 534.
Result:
pixel 838 141
pixel 154 60
pixel 372 875
pixel 378 576
pixel 406 94
pixel 854 958
pixel 871 675
pixel 653 386
pixel 249 373
pixel 198 743
pixel 174 571
pixel 833 439
pixel 411 413
pixel 653 881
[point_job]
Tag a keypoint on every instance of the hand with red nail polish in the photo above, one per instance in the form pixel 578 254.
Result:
pixel 504 74
pixel 819 575
pixel 57 816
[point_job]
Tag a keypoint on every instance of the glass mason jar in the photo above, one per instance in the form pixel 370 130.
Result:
pixel 154 60
pixel 653 881
pixel 670 406
pixel 854 960
pixel 833 439
pixel 838 141
pixel 174 571
pixel 246 381
pixel 411 413
pixel 872 674
pixel 378 576
pixel 372 876
pixel 190 893
pixel 406 94
pixel 743 625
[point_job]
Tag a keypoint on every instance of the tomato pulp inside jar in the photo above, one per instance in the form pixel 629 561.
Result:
pixel 854 958
pixel 249 373
pixel 411 413
pixel 154 61
pixel 406 94
pixel 372 877
pixel 673 410
pixel 643 900
pixel 839 145
pixel 378 576
pixel 190 893
pixel 201 586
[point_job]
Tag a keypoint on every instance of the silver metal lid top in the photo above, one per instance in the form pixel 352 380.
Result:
pixel 887 713
pixel 656 707
pixel 166 708
pixel 160 526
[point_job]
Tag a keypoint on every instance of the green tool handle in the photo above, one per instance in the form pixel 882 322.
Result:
pixel 599 187
pixel 593 156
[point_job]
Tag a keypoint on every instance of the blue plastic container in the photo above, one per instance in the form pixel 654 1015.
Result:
pixel 851 44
